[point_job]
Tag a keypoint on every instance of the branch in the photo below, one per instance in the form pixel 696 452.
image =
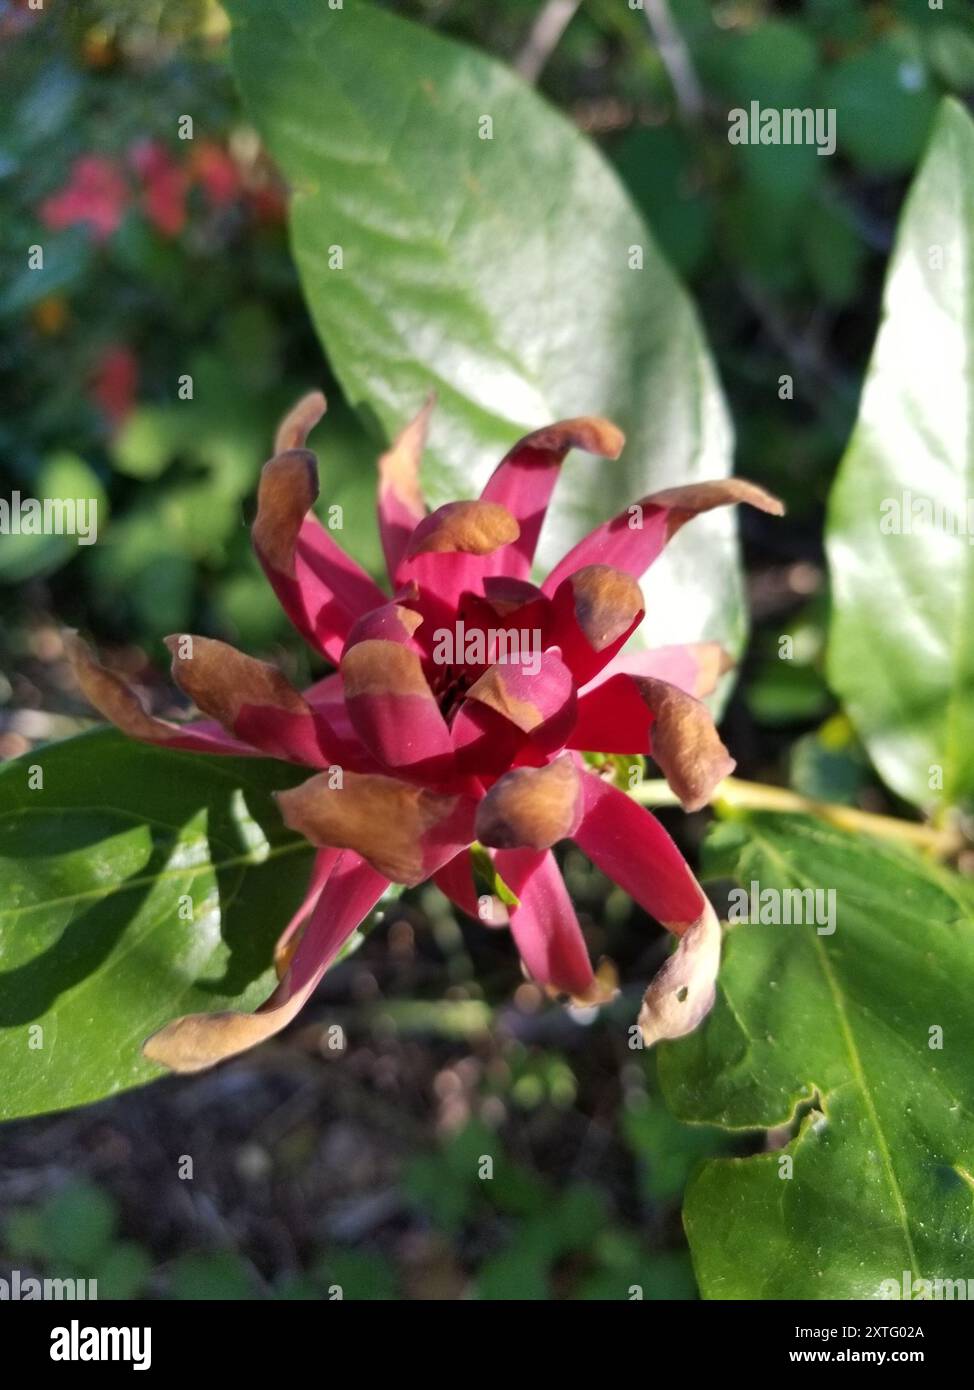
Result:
pixel 544 37
pixel 756 796
pixel 675 57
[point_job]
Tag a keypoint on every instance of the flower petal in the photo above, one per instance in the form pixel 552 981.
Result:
pixel 393 709
pixel 320 588
pixel 546 928
pixel 444 553
pixel 531 808
pixel 629 845
pixel 524 479
pixel 682 992
pixel 287 943
pixel 197 1041
pixel 400 503
pixel 632 540
pixel 293 431
pixel 405 832
pixel 455 881
pixel 393 622
pixel 638 714
pixel 486 744
pixel 695 667
pixel 252 699
pixel 593 613
pixel 468 528
pixel 327 698
pixel 536 696
pixel 117 701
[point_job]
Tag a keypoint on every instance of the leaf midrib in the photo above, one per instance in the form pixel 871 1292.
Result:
pixel 852 1050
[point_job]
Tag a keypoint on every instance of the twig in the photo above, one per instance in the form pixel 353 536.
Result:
pixel 544 37
pixel 675 57
pixel 756 796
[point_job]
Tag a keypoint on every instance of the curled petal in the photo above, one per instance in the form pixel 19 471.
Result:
pixel 593 613
pixel 638 714
pixel 629 845
pixel 252 699
pixel 393 709
pixel 695 667
pixel 405 832
pixel 286 492
pixel 682 992
pixel 393 622
pixel 293 431
pixel 401 505
pixel 531 808
pixel 546 928
pixel 444 554
pixel 536 696
pixel 505 594
pixel 469 528
pixel 197 1041
pixel 684 742
pixel 632 540
pixel 524 479
pixel 320 588
pixel 117 701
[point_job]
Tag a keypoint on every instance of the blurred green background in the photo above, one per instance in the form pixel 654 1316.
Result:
pixel 170 259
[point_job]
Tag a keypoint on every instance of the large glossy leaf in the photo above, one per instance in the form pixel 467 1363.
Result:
pixel 835 1033
pixel 493 270
pixel 136 884
pixel 902 642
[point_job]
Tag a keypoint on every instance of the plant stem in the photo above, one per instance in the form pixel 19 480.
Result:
pixel 735 793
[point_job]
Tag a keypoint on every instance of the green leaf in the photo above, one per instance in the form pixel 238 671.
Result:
pixel 123 1271
pixel 902 640
pixel 221 1276
pixel 67 259
pixel 835 1034
pixel 76 1226
pixel 884 103
pixel 667 1151
pixel 359 1275
pixel 493 270
pixel 774 63
pixel 99 868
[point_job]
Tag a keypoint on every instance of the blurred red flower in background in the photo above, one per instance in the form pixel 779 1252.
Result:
pixel 115 382
pixel 96 194
pixel 164 186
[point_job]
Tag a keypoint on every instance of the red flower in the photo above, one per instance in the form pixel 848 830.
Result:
pixel 458 713
pixel 217 173
pixel 115 383
pixel 164 186
pixel 96 194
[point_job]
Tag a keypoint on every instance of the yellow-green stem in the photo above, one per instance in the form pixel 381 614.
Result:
pixel 734 792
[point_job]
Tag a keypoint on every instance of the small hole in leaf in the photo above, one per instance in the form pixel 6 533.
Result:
pixel 682 993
